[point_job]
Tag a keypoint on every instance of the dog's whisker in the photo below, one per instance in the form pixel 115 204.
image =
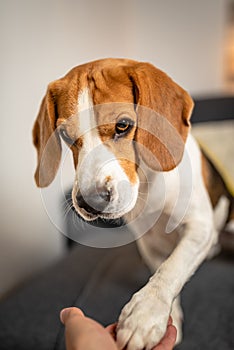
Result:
pixel 66 204
pixel 67 212
pixel 76 221
pixel 68 200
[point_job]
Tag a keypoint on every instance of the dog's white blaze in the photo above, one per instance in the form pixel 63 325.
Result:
pixel 87 125
pixel 96 163
pixel 86 114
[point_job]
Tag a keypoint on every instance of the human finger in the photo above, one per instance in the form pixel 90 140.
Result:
pixel 169 339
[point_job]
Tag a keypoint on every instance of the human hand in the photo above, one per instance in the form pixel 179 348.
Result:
pixel 169 339
pixel 84 333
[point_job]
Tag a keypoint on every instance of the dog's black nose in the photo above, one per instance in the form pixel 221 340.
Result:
pixel 94 202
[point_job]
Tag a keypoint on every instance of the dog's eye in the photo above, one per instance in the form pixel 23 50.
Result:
pixel 123 126
pixel 66 137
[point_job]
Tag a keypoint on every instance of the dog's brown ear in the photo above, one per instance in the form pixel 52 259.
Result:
pixel 164 110
pixel 46 139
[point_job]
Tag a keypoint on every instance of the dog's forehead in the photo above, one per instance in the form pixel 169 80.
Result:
pixel 106 93
pixel 111 85
pixel 101 89
pixel 108 80
pixel 90 115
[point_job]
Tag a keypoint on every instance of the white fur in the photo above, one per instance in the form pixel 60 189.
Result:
pixel 97 163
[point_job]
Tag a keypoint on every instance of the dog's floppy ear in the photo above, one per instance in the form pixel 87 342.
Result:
pixel 46 139
pixel 164 110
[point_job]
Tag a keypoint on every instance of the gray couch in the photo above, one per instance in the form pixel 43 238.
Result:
pixel 101 281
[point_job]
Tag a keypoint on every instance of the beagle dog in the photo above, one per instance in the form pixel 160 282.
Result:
pixel 127 125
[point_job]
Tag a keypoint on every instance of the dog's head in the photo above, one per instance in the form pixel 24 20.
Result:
pixel 112 113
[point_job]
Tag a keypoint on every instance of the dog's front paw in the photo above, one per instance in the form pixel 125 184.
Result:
pixel 143 321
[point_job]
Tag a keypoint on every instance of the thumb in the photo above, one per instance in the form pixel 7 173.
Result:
pixel 68 312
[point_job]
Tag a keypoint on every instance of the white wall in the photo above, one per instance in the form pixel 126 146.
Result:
pixel 184 38
pixel 40 41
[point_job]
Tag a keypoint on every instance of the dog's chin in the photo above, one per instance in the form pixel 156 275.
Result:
pixel 88 216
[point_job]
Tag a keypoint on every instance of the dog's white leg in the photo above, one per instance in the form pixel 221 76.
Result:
pixel 143 320
pixel 154 247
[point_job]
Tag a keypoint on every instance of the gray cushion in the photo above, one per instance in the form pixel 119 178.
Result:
pixel 101 281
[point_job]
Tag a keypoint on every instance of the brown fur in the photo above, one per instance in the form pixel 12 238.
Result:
pixel 162 126
pixel 213 181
